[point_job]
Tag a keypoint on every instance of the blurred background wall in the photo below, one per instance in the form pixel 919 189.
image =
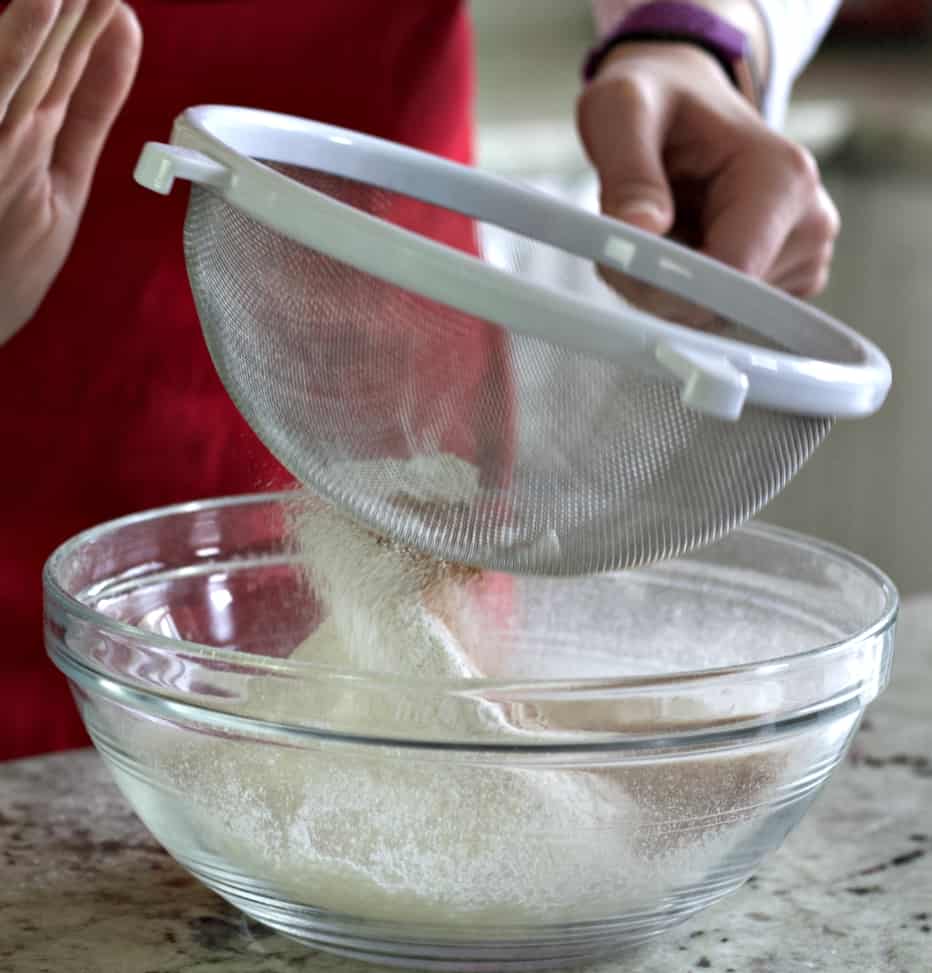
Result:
pixel 865 108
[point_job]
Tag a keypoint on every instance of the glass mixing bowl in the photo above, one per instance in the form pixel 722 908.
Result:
pixel 693 710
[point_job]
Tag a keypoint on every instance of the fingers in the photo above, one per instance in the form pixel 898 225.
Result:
pixel 809 282
pixel 808 276
pixel 679 152
pixel 96 101
pixel 756 202
pixel 622 123
pixel 44 68
pixel 58 63
pixel 658 302
pixel 774 219
pixel 765 212
pixel 803 266
pixel 97 15
pixel 631 171
pixel 24 28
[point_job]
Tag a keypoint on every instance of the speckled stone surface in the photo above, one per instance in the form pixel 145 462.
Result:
pixel 84 889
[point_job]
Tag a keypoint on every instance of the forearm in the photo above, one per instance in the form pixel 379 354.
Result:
pixel 783 35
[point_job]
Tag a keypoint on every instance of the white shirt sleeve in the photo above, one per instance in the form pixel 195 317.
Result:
pixel 795 29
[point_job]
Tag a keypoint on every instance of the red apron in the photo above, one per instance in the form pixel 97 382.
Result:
pixel 108 401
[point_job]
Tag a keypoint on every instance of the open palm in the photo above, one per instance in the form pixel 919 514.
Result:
pixel 66 67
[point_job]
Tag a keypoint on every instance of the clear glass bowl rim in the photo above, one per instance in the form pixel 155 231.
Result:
pixel 73 607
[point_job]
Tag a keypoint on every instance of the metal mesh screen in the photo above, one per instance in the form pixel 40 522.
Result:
pixel 451 434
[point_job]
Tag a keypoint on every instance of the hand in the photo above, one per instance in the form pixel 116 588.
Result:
pixel 680 152
pixel 66 67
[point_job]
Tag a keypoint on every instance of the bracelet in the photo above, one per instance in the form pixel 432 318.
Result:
pixel 687 23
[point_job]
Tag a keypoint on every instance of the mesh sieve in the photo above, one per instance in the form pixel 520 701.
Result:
pixel 447 431
pixel 580 465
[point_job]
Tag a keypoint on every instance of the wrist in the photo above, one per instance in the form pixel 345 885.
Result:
pixel 732 31
pixel 746 16
pixel 671 64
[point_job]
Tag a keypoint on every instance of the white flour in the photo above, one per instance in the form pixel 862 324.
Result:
pixel 379 620
pixel 445 478
pixel 389 833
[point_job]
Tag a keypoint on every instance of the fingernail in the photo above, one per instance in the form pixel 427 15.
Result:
pixel 642 213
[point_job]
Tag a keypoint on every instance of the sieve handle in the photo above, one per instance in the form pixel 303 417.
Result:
pixel 831 370
pixel 160 165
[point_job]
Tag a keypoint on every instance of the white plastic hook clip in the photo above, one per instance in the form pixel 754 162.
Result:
pixel 711 384
pixel 160 165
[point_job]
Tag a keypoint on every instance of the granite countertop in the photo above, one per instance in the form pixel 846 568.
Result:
pixel 86 890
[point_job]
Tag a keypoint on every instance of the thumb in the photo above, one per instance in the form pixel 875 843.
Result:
pixel 623 128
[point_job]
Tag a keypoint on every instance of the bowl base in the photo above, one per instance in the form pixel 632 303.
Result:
pixel 464 955
pixel 460 958
pixel 456 949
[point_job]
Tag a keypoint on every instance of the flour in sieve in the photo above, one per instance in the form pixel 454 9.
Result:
pixel 445 478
